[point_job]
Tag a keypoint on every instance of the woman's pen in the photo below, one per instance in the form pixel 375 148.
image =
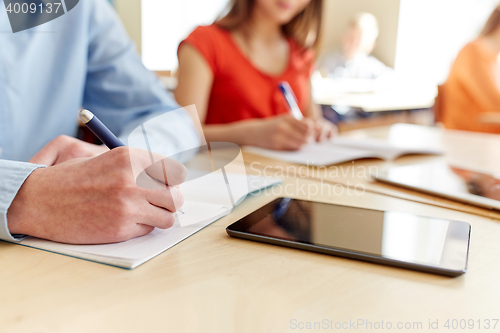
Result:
pixel 291 102
pixel 102 132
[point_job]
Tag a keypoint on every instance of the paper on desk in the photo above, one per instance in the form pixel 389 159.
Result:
pixel 212 188
pixel 384 149
pixel 213 203
pixel 340 150
pixel 199 212
pixel 314 154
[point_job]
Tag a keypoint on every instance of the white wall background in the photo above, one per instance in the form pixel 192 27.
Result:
pixel 420 38
pixel 165 23
pixel 130 14
pixel 432 32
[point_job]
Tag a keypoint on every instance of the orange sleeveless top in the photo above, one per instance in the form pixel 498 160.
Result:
pixel 472 89
pixel 241 91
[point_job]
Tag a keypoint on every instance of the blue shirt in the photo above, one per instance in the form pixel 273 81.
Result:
pixel 81 59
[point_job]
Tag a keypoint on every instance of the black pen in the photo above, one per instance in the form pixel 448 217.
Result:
pixel 102 132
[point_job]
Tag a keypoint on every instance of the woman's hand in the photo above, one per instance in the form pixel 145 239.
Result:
pixel 279 133
pixel 282 132
pixel 324 129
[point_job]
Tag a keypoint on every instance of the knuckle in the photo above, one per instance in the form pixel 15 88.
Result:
pixel 126 195
pixel 122 212
pixel 120 232
pixel 120 182
pixel 177 197
pixel 61 140
pixel 119 226
pixel 76 150
pixel 122 204
pixel 168 221
pixel 120 176
pixel 181 172
pixel 175 172
pixel 121 155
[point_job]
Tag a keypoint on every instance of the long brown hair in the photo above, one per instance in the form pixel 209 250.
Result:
pixel 304 28
pixel 493 22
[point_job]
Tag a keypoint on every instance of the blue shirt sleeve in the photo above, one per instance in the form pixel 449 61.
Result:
pixel 12 176
pixel 123 94
pixel 116 87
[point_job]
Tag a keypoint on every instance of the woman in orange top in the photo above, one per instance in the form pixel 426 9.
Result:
pixel 473 86
pixel 231 69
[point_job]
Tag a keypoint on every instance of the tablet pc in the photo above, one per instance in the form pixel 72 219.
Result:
pixel 391 238
pixel 447 181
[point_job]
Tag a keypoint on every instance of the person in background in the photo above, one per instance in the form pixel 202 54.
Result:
pixel 231 70
pixel 354 60
pixel 473 85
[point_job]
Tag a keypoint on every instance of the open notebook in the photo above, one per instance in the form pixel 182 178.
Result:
pixel 206 200
pixel 341 150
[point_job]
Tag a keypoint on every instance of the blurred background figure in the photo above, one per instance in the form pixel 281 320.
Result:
pixel 354 61
pixel 415 41
pixel 231 70
pixel 470 98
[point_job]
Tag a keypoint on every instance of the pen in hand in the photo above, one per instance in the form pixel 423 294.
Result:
pixel 102 132
pixel 291 101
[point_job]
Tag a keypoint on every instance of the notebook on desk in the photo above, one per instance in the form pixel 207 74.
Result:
pixel 341 150
pixel 206 200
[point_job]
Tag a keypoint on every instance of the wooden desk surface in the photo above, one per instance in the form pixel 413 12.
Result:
pixel 476 151
pixel 214 283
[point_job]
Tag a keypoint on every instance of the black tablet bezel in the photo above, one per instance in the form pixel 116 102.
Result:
pixel 235 230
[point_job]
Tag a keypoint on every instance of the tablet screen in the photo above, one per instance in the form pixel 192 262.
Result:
pixel 449 181
pixel 391 235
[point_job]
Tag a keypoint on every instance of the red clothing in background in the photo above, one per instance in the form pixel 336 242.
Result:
pixel 241 91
